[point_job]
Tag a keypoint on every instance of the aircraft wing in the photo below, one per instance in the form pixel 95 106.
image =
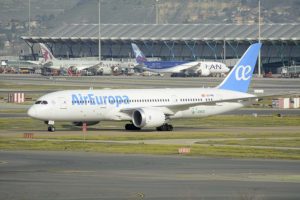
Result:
pixel 290 93
pixel 83 67
pixel 174 69
pixel 172 109
pixel 99 64
pixel 34 62
pixel 183 67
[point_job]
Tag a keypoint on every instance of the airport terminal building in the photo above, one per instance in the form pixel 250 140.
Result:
pixel 281 42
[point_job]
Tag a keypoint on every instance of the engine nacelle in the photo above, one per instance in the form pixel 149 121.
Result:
pixel 87 123
pixel 148 118
pixel 204 72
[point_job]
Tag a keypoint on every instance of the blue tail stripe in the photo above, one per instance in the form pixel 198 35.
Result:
pixel 240 76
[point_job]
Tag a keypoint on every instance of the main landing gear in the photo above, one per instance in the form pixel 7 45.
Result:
pixel 165 127
pixel 51 127
pixel 132 127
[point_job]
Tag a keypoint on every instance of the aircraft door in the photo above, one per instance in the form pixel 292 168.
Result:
pixel 62 103
pixel 174 99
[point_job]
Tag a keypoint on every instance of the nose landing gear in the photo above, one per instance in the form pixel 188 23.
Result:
pixel 51 127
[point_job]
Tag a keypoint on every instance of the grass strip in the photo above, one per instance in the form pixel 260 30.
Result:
pixel 196 150
pixel 208 122
pixel 13 111
pixel 293 142
pixel 157 135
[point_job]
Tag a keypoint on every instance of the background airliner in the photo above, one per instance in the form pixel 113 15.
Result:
pixel 202 68
pixel 149 108
pixel 74 66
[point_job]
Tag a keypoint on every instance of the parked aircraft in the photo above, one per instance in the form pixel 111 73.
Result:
pixel 75 66
pixel 201 68
pixel 149 108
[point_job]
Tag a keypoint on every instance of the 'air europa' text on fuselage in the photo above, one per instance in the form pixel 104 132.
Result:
pixel 91 99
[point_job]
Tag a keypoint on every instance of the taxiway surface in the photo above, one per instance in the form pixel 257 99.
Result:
pixel 74 175
pixel 270 86
pixel 242 111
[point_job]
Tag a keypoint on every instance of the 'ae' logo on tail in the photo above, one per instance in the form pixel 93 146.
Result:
pixel 240 76
pixel 243 72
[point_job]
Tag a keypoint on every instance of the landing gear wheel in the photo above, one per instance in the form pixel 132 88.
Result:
pixel 170 128
pixel 51 128
pixel 132 127
pixel 127 126
pixel 165 127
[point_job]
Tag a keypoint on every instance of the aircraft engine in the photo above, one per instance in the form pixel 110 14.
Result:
pixel 72 70
pixel 115 69
pixel 87 123
pixel 204 72
pixel 148 118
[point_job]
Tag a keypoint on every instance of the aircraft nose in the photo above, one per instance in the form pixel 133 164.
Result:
pixel 32 112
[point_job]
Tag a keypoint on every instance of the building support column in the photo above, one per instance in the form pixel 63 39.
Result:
pixel 31 45
pixel 234 49
pixel 171 50
pixel 191 48
pixel 212 48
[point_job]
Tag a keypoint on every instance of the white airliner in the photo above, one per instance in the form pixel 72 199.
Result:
pixel 202 68
pixel 149 108
pixel 73 66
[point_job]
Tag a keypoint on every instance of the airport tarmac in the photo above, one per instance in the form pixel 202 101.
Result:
pixel 269 85
pixel 79 175
pixel 243 111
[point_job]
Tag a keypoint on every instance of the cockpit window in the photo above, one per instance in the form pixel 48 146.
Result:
pixel 44 102
pixel 38 102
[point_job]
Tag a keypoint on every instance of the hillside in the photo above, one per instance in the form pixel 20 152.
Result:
pixel 18 9
pixel 181 11
pixel 48 15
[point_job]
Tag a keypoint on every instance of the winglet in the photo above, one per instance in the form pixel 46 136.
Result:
pixel 139 56
pixel 240 76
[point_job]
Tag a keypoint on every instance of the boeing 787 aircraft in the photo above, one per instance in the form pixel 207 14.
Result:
pixel 77 65
pixel 201 68
pixel 149 108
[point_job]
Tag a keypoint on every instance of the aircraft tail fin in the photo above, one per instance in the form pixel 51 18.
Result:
pixel 139 56
pixel 47 55
pixel 240 76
